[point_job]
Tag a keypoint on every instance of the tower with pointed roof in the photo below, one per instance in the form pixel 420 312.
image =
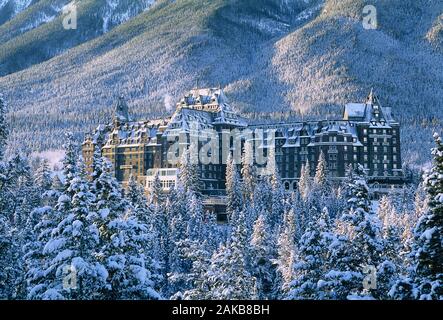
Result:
pixel 121 113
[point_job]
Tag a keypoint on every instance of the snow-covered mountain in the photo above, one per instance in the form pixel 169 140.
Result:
pixel 10 8
pixel 37 33
pixel 304 56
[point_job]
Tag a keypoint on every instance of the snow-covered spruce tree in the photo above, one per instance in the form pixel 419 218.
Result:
pixel 228 276
pixel 321 172
pixel 150 215
pixel 5 257
pixel 366 226
pixel 391 230
pixel 298 207
pixel 163 225
pixel 196 250
pixel 178 220
pixel 311 259
pixel 71 268
pixel 128 260
pixel 125 242
pixel 359 249
pixel 428 235
pixel 156 193
pixel 109 202
pixel 285 256
pixel 42 176
pixel 234 201
pixel 421 203
pixel 200 256
pixel 189 173
pixel 261 254
pixel 248 172
pixel 137 200
pixel 42 221
pixel 70 168
pixel 305 182
pixel 262 201
pixel 278 196
pixel 18 197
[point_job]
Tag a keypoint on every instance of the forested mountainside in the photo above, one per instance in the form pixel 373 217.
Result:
pixel 38 34
pixel 271 57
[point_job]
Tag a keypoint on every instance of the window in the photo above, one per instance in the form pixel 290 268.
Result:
pixel 355 157
pixel 375 149
pixel 395 166
pixel 365 131
pixel 394 157
pixel 385 166
pixel 332 165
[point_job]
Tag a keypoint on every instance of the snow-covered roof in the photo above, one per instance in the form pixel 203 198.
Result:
pixel 354 110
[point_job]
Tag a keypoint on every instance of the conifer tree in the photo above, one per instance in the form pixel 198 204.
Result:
pixel 71 269
pixel 285 250
pixel 311 259
pixel 262 268
pixel 305 184
pixel 359 249
pixel 138 202
pixel 42 176
pixel 320 178
pixel 428 234
pixel 189 173
pixel 248 171
pixel 234 201
pixel 278 198
pixel 228 276
pixel 40 225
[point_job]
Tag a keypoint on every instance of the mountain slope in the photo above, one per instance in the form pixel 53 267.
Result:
pixel 270 55
pixel 10 8
pixel 38 34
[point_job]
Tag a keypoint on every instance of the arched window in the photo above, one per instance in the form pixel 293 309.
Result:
pixel 287 185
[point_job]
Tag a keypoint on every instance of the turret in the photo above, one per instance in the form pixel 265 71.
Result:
pixel 121 110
